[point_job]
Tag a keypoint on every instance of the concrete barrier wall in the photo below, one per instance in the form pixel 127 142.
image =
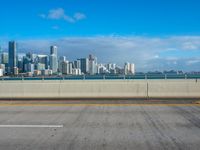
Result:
pixel 100 89
pixel 174 88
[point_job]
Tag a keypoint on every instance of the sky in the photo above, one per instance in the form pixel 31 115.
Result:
pixel 153 34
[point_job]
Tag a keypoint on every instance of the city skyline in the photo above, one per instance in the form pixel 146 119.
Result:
pixel 30 64
pixel 154 35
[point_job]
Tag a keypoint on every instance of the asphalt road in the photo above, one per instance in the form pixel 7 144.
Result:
pixel 100 127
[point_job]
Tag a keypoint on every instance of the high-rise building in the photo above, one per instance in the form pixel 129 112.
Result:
pixel 12 46
pixel 34 58
pixel 65 67
pixel 20 62
pixel 77 64
pixel 132 68
pixel 4 58
pixel 43 59
pixel 26 61
pixel 20 65
pixel 53 64
pixel 53 59
pixel 70 67
pixel 1 72
pixel 54 50
pixel 2 66
pixel 101 69
pixel 0 54
pixel 76 71
pixel 111 68
pixel 40 66
pixel 92 65
pixel 129 68
pixel 84 62
pixel 16 71
pixel 29 67
pixel 61 60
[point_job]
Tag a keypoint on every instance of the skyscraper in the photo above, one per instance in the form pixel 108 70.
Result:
pixel 64 68
pixel 60 61
pixel 92 65
pixel 129 68
pixel 77 64
pixel 4 58
pixel 12 46
pixel 0 54
pixel 53 60
pixel 84 65
pixel 43 59
pixel 70 67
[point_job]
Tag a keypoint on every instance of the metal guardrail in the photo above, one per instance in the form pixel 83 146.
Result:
pixel 107 77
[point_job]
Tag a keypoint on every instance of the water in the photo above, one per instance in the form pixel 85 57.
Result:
pixel 109 77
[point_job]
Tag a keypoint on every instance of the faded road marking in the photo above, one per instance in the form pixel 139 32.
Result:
pixel 31 126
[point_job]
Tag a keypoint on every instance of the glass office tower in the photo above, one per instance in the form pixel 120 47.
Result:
pixel 12 47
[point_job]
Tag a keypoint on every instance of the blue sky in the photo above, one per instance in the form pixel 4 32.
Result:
pixel 20 18
pixel 128 27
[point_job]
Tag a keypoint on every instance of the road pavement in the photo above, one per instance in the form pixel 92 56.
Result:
pixel 99 126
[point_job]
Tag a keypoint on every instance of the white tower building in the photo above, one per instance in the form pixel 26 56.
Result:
pixel 53 59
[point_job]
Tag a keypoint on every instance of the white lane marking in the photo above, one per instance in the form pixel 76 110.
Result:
pixel 31 126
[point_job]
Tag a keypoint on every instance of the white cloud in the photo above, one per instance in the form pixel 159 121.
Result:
pixel 190 46
pixel 148 53
pixel 42 16
pixel 69 19
pixel 79 16
pixel 192 62
pixel 59 14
